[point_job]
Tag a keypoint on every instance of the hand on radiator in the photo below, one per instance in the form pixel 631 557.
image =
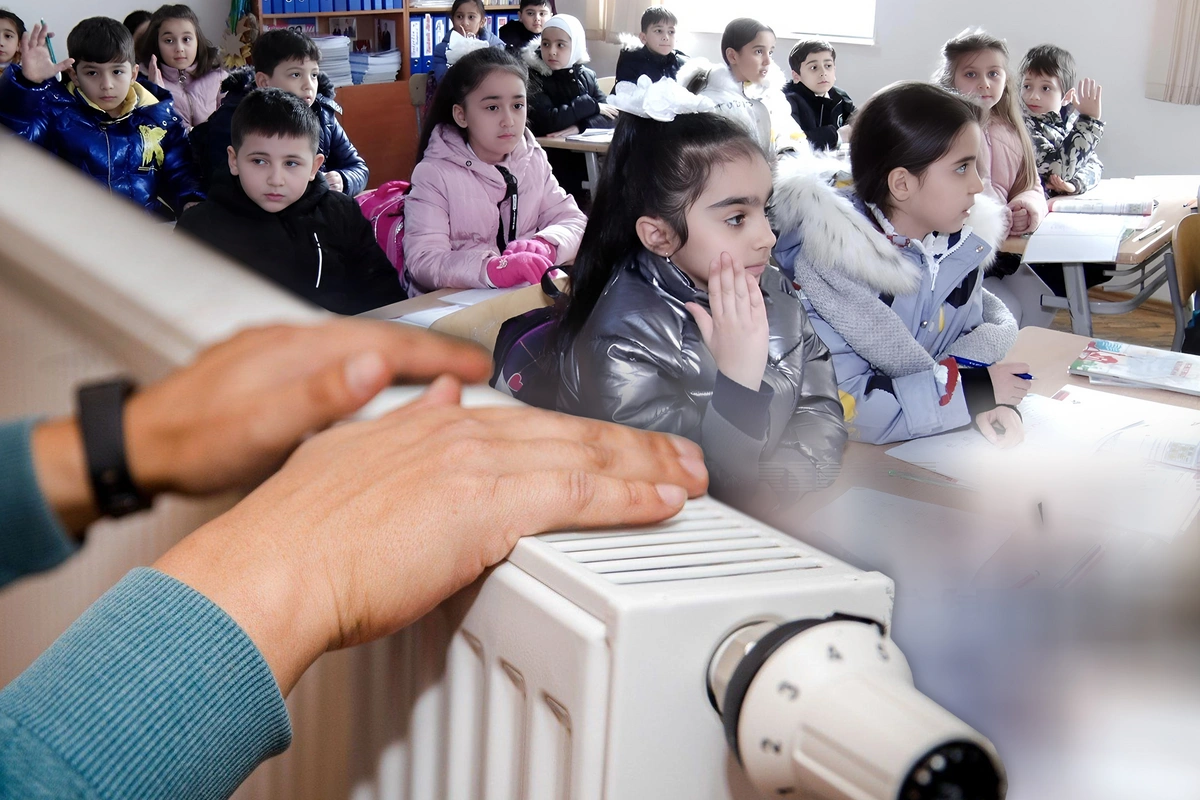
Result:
pixel 231 417
pixel 371 524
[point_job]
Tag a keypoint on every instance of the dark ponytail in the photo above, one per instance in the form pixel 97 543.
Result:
pixel 459 81
pixel 656 169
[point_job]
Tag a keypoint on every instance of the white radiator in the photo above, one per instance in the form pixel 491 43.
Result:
pixel 588 666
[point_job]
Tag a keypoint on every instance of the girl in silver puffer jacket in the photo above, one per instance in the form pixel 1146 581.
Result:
pixel 677 321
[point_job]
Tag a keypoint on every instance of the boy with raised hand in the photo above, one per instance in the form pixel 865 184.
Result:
pixel 279 217
pixel 288 60
pixel 653 53
pixel 527 26
pixel 821 109
pixel 1062 119
pixel 124 134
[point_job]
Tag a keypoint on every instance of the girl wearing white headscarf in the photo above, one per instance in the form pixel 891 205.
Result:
pixel 564 95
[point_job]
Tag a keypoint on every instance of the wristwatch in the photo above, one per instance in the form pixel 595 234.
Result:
pixel 102 426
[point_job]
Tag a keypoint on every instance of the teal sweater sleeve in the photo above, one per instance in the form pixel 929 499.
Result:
pixel 31 537
pixel 154 692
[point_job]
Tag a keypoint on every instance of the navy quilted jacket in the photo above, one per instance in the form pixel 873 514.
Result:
pixel 143 154
pixel 211 138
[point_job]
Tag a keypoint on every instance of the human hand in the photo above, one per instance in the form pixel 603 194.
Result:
pixel 1086 98
pixel 231 417
pixel 371 524
pixel 736 332
pixel 538 247
pixel 1001 426
pixel 1007 387
pixel 36 64
pixel 334 179
pixel 1024 217
pixel 564 133
pixel 509 270
pixel 154 74
pixel 1057 184
pixel 462 31
pixel 609 111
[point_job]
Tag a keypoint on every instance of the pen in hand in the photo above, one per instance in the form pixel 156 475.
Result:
pixel 972 364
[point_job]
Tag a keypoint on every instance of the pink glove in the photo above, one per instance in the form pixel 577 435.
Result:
pixel 505 271
pixel 537 246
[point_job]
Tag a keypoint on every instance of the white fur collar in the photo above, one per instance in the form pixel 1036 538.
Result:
pixel 721 79
pixel 629 41
pixel 834 235
pixel 531 54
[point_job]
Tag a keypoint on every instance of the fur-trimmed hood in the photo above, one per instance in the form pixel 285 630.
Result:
pixel 531 54
pixel 825 228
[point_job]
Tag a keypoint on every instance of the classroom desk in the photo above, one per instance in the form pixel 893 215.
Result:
pixel 1048 354
pixel 1140 262
pixel 591 153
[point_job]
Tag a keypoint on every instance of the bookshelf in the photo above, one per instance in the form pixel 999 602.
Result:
pixel 379 118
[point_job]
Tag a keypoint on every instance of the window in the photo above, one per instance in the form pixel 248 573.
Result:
pixel 843 21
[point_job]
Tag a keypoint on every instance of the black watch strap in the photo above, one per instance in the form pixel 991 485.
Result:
pixel 102 425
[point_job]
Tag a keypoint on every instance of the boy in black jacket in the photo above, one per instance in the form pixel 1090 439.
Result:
pixel 526 27
pixel 653 53
pixel 821 109
pixel 279 217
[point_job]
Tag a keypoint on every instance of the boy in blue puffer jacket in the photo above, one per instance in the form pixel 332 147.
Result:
pixel 288 60
pixel 124 134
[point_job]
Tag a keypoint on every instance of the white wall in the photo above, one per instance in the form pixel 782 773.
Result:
pixel 61 15
pixel 1110 40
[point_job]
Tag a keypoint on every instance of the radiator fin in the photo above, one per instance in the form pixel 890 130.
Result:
pixel 702 542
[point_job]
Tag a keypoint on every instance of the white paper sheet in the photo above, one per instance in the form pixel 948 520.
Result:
pixel 470 297
pixel 428 316
pixel 1080 238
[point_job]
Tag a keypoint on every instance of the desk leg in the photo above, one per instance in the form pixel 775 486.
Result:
pixel 593 170
pixel 1077 299
pixel 1180 306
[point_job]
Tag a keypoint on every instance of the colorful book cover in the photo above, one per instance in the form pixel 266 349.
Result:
pixel 1147 367
pixel 414 45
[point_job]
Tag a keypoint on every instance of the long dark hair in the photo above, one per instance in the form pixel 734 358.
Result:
pixel 462 79
pixel 208 58
pixel 908 124
pixel 656 169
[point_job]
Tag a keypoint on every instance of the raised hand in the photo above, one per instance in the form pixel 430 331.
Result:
pixel 36 64
pixel 1086 97
pixel 153 73
pixel 736 331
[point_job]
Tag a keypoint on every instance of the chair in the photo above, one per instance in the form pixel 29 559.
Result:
pixel 418 84
pixel 606 84
pixel 1185 258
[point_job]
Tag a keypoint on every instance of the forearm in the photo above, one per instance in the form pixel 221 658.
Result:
pixel 61 469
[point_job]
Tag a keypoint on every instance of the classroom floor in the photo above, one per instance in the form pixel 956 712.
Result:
pixel 1150 324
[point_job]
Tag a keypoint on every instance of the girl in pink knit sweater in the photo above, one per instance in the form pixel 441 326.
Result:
pixel 975 64
pixel 175 54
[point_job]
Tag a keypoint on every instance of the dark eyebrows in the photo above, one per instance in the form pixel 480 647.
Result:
pixel 737 201
pixel 491 97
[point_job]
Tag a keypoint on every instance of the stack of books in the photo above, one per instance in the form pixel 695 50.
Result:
pixel 375 67
pixel 335 58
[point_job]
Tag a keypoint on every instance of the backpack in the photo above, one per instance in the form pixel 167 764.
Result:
pixel 524 365
pixel 384 209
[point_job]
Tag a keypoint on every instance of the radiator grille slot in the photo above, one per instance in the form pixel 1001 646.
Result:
pixel 699 543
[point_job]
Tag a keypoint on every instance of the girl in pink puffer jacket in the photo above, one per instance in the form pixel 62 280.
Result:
pixel 176 55
pixel 485 210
